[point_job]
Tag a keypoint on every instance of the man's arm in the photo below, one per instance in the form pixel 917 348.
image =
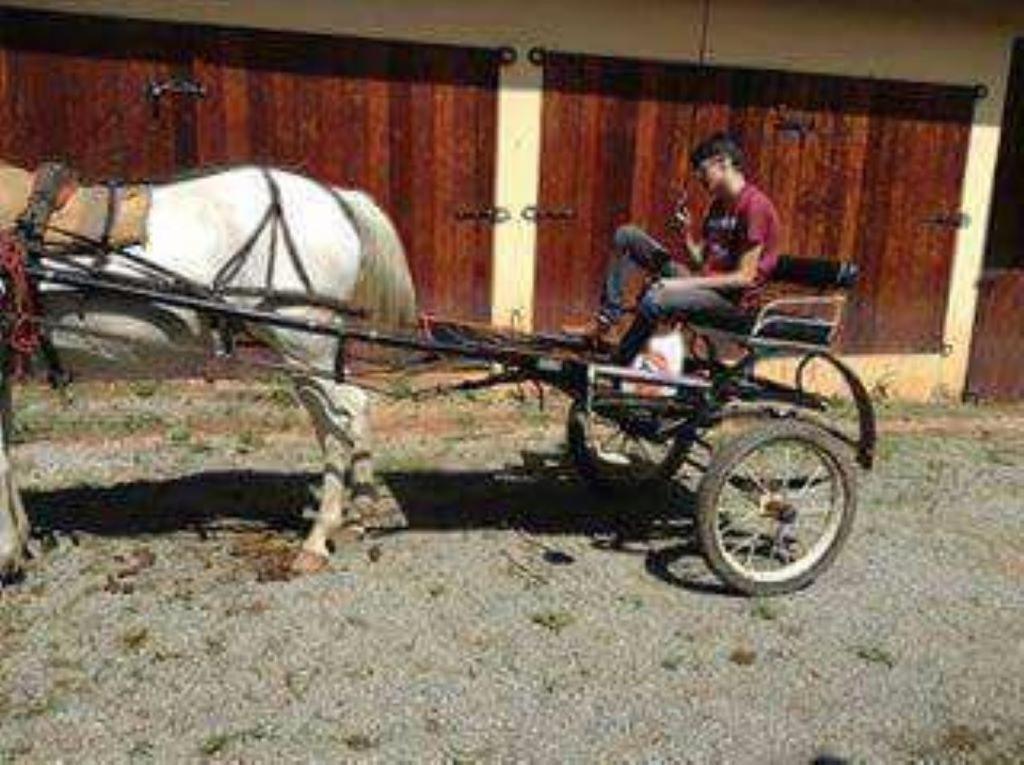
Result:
pixel 694 249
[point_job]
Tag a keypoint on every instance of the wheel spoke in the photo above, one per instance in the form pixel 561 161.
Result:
pixel 778 508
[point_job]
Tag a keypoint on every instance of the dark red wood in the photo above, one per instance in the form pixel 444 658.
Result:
pixel 1006 231
pixel 75 88
pixel 997 351
pixel 856 167
pixel 996 368
pixel 414 125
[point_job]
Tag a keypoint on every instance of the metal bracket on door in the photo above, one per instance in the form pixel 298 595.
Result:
pixel 492 215
pixel 507 55
pixel 949 220
pixel 534 214
pixel 179 85
pixel 792 125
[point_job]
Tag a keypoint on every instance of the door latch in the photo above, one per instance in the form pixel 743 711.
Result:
pixel 949 220
pixel 177 85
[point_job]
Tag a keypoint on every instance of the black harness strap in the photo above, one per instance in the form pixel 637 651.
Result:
pixel 108 222
pixel 275 218
pixel 50 182
pixel 234 264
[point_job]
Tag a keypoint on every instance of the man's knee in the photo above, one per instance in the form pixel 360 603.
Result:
pixel 627 237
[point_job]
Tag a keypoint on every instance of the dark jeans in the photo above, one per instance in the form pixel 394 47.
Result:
pixel 635 248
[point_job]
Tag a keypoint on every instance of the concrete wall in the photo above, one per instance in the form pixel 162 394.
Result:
pixel 955 41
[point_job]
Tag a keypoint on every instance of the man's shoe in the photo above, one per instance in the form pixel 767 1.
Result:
pixel 597 332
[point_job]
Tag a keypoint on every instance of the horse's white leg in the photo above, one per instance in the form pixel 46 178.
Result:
pixel 339 414
pixel 14 526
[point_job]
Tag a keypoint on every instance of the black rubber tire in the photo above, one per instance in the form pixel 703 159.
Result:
pixel 726 457
pixel 601 479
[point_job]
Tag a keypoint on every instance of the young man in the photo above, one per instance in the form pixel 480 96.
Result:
pixel 736 256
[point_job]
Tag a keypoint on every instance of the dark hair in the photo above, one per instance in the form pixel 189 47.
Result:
pixel 717 145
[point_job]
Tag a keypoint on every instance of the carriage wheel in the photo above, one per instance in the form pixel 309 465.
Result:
pixel 775 506
pixel 608 456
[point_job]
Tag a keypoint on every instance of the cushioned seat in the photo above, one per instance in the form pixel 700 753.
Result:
pixel 779 328
pixel 790 319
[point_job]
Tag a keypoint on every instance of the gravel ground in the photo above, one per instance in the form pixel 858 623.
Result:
pixel 512 616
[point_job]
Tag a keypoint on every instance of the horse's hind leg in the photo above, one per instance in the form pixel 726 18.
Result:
pixel 14 526
pixel 339 414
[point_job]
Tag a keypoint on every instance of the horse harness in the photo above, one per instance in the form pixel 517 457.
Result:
pixel 52 186
pixel 23 245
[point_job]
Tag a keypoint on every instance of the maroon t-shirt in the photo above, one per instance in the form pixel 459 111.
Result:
pixel 737 226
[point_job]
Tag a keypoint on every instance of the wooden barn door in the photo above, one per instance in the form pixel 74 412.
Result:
pixel 78 89
pixel 614 135
pixel 997 351
pixel 861 170
pixel 414 125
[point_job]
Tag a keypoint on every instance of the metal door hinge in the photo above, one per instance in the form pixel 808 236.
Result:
pixel 492 215
pixel 949 220
pixel 178 85
pixel 535 214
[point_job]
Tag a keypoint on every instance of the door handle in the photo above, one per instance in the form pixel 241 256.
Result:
pixel 534 214
pixel 949 220
pixel 177 85
pixel 492 215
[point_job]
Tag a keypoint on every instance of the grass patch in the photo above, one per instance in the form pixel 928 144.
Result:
pixel 249 441
pixel 632 602
pixel 673 662
pixel 360 742
pixel 217 743
pixel 766 610
pixel 49 423
pixel 743 656
pixel 875 654
pixel 144 388
pixel 554 620
pixel 179 435
pixel 134 638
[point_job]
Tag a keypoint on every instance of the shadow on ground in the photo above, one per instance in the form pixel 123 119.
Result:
pixel 545 500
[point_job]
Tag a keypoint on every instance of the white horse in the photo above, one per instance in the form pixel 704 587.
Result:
pixel 326 243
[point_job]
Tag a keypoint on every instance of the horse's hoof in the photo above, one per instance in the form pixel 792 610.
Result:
pixel 307 562
pixel 10 574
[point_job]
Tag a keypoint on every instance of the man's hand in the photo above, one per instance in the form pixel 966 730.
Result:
pixel 681 218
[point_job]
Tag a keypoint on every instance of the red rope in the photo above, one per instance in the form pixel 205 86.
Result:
pixel 20 304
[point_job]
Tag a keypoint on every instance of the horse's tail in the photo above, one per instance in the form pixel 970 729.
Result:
pixel 384 287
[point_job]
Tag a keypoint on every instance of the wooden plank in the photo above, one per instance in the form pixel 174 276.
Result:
pixel 75 88
pixel 997 352
pixel 1005 248
pixel 414 125
pixel 997 348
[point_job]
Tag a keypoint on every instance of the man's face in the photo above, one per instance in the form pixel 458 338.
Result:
pixel 712 173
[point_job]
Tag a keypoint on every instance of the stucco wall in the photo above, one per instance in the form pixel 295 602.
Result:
pixel 955 41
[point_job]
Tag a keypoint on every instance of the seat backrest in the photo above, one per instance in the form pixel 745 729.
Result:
pixel 816 273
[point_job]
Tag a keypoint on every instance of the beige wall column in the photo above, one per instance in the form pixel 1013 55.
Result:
pixel 520 102
pixel 971 241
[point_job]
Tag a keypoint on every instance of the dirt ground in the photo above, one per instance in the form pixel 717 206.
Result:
pixel 502 612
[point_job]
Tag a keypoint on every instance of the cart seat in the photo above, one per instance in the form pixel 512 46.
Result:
pixel 798 320
pixel 816 273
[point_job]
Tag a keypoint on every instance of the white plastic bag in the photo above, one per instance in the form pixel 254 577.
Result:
pixel 664 354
